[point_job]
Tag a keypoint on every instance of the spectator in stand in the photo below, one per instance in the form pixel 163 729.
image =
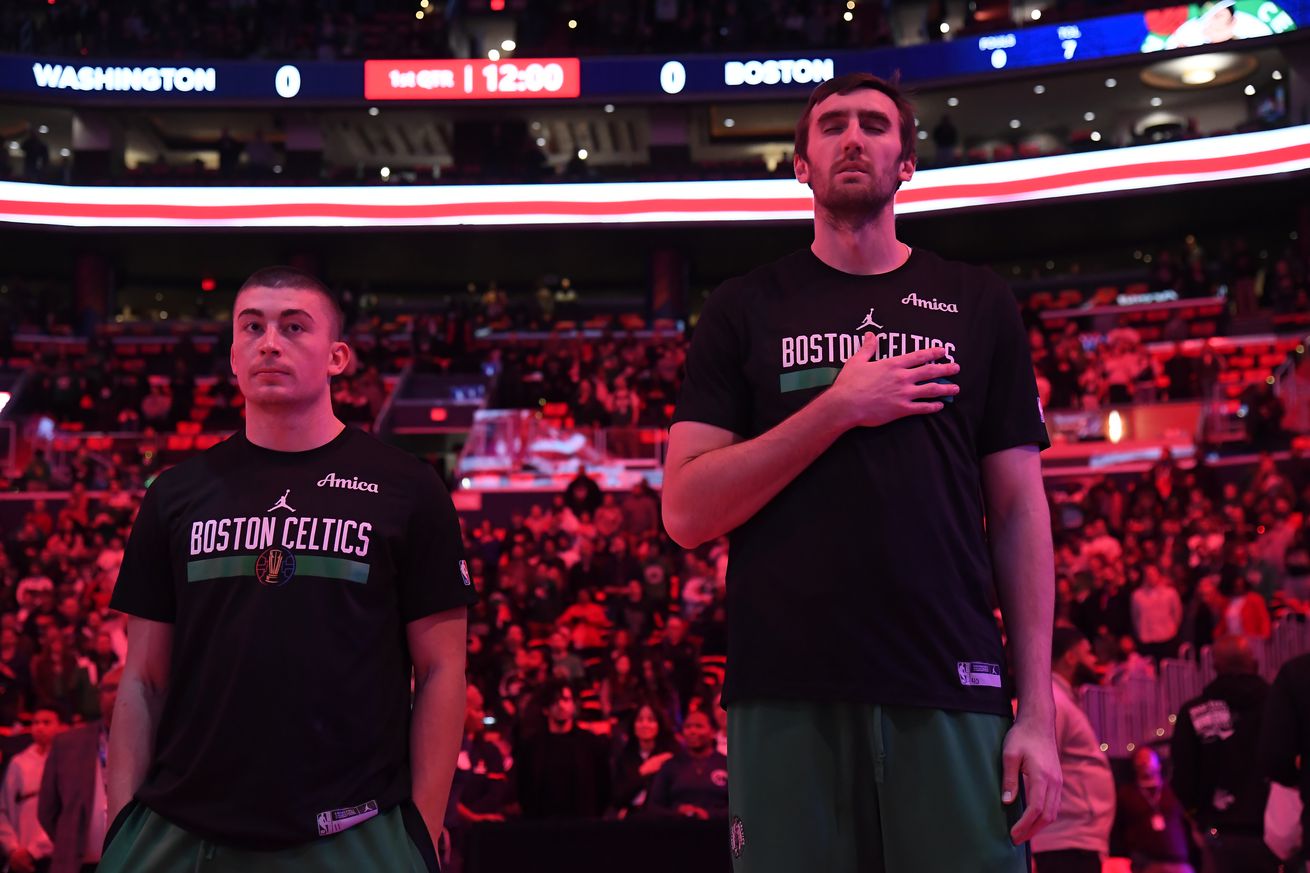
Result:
pixel 947 140
pixel 1157 614
pixel 609 517
pixel 620 691
pixel 481 791
pixel 1284 761
pixel 36 155
pixel 582 494
pixel 1079 838
pixel 58 681
pixel 73 804
pixel 694 782
pixel 561 771
pixel 1244 611
pixel 15 677
pixel 564 664
pixel 679 657
pixel 641 510
pixel 22 839
pixel 1151 820
pixel 1215 742
pixel 649 744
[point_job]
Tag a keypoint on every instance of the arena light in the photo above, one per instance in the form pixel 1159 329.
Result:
pixel 1164 165
pixel 1114 427
pixel 5 396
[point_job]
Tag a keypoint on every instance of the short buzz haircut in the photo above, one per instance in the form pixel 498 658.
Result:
pixel 847 83
pixel 293 279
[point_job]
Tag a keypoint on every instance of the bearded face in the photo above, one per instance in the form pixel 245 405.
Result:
pixel 853 159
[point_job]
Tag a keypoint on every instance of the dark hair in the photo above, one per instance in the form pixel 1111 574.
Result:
pixel 854 82
pixel 293 279
pixel 61 711
pixel 1063 640
pixel 553 690
pixel 664 736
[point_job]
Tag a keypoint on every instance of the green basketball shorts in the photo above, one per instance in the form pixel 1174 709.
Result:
pixel 844 787
pixel 142 841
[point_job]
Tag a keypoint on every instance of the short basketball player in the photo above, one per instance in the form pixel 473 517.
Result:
pixel 282 589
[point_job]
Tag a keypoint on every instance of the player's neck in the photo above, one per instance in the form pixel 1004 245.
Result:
pixel 862 246
pixel 291 429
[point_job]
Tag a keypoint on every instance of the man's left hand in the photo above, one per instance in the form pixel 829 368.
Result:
pixel 1030 749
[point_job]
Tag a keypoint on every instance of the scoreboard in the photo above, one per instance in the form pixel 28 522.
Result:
pixel 649 77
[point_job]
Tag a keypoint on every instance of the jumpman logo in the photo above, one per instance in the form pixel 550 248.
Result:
pixel 282 502
pixel 869 322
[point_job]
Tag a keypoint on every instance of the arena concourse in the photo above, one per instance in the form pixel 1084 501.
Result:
pixel 1137 174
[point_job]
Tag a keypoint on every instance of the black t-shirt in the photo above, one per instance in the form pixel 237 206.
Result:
pixel 701 782
pixel 868 578
pixel 289 578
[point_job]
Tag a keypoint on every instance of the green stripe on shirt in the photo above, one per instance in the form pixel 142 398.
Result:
pixel 306 565
pixel 816 377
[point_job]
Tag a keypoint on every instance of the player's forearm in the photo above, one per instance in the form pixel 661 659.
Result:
pixel 1024 562
pixel 717 492
pixel 131 742
pixel 436 730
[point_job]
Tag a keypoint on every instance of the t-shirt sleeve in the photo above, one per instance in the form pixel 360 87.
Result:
pixel 715 390
pixel 145 578
pixel 1013 413
pixel 433 575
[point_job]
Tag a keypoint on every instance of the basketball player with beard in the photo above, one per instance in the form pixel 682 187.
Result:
pixel 850 412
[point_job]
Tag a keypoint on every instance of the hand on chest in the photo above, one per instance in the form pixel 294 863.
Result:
pixel 799 349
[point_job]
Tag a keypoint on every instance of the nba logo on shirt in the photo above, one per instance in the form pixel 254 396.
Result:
pixel 464 571
pixel 974 673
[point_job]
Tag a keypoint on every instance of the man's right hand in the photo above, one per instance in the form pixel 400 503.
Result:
pixel 873 393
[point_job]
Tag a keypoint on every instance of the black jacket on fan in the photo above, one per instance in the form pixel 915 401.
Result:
pixel 1215 746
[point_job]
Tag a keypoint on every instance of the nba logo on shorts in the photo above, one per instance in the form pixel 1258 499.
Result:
pixel 464 571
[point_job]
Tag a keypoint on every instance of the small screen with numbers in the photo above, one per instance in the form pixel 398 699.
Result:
pixel 518 79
